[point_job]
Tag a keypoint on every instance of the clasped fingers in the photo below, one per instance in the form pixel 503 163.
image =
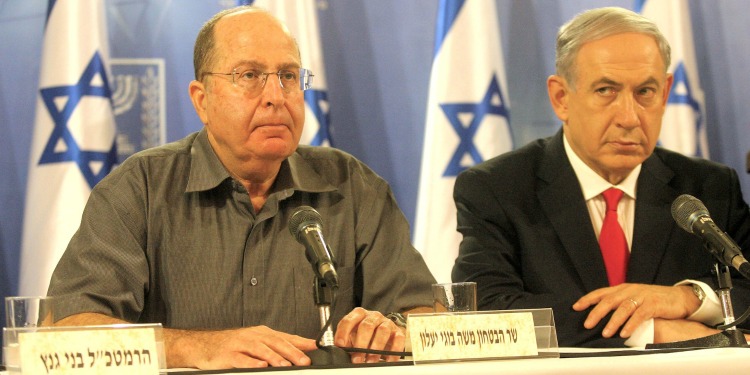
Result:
pixel 369 330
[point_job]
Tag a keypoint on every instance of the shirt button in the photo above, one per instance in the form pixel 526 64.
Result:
pixel 253 281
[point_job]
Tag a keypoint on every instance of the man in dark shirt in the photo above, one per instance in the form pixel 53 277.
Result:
pixel 194 234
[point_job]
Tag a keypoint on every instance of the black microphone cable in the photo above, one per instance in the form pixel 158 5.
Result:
pixel 327 325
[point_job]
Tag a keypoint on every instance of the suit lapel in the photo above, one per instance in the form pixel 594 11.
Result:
pixel 653 223
pixel 562 201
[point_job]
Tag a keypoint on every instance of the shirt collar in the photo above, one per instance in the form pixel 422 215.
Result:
pixel 591 183
pixel 207 171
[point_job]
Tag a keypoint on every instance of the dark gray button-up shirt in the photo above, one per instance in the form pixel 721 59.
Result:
pixel 169 237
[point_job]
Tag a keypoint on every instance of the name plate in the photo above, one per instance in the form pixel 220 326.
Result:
pixel 459 336
pixel 91 351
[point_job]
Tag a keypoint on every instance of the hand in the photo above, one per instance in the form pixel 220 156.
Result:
pixel 679 330
pixel 635 303
pixel 369 330
pixel 238 348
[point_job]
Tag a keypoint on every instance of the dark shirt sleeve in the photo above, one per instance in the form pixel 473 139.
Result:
pixel 392 275
pixel 104 269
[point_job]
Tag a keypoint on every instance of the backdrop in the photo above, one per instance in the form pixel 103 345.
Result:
pixel 378 56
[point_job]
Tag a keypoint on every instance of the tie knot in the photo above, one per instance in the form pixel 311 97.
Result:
pixel 612 197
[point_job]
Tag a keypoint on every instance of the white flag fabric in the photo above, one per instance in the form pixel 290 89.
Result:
pixel 467 121
pixel 684 128
pixel 301 17
pixel 73 146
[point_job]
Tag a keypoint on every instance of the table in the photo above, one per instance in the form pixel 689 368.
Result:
pixel 719 361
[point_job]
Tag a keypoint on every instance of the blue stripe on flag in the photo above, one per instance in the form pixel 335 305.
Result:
pixel 638 6
pixel 50 5
pixel 94 72
pixel 313 98
pixel 447 15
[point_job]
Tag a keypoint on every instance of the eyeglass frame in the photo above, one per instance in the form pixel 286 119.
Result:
pixel 305 77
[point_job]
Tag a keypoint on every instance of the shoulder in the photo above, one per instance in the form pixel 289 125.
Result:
pixel 517 164
pixel 179 147
pixel 691 171
pixel 336 165
pixel 172 157
pixel 715 184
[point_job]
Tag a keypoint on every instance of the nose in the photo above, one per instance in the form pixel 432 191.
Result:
pixel 627 112
pixel 273 93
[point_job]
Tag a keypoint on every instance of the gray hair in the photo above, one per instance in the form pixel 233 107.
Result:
pixel 597 24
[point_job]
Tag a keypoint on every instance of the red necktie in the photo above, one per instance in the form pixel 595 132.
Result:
pixel 612 240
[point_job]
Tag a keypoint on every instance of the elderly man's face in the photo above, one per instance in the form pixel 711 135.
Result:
pixel 612 118
pixel 244 125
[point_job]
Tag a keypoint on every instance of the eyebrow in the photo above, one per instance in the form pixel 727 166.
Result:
pixel 610 82
pixel 254 64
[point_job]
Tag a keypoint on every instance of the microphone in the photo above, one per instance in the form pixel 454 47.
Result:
pixel 307 228
pixel 692 216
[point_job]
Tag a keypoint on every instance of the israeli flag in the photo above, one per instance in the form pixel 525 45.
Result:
pixel 73 146
pixel 467 121
pixel 684 126
pixel 301 18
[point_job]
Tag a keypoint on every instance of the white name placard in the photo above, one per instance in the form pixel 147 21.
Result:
pixel 92 351
pixel 457 336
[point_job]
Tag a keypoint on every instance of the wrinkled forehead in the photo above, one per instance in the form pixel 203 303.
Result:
pixel 253 32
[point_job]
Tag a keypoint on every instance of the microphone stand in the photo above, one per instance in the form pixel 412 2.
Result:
pixel 327 353
pixel 730 337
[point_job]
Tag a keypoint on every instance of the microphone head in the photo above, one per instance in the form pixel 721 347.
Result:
pixel 302 217
pixel 686 209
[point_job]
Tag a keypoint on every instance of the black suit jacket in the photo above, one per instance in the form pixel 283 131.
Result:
pixel 528 240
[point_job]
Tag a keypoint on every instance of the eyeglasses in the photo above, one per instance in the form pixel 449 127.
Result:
pixel 253 81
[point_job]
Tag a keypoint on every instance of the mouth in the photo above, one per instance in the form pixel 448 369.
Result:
pixel 625 145
pixel 272 126
pixel 273 129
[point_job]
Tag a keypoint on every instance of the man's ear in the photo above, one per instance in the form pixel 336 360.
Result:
pixel 197 92
pixel 557 89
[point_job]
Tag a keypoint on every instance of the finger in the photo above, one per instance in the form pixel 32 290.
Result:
pixel 623 312
pixel 290 355
pixel 302 343
pixel 278 353
pixel 365 332
pixel 347 325
pixel 277 348
pixel 642 313
pixel 240 360
pixel 232 360
pixel 592 298
pixel 396 344
pixel 346 331
pixel 381 336
pixel 601 310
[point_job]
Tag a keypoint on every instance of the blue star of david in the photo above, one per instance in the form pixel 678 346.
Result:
pixel 61 133
pixel 466 133
pixel 681 78
pixel 314 98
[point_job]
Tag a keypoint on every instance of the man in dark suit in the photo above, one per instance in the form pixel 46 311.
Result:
pixel 536 231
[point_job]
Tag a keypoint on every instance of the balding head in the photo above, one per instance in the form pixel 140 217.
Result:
pixel 204 51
